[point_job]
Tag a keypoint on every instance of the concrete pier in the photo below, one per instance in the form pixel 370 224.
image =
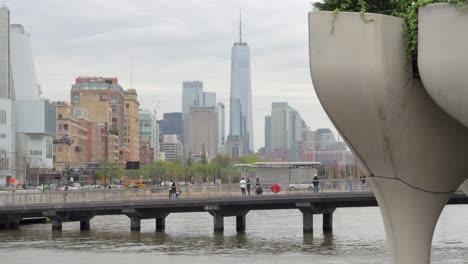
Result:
pixel 85 224
pixel 56 224
pixel 160 224
pixel 135 223
pixel 240 223
pixel 307 221
pixel 327 226
pixel 218 222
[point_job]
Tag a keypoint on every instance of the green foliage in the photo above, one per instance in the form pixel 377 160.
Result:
pixel 406 9
pixel 250 159
pixel 114 171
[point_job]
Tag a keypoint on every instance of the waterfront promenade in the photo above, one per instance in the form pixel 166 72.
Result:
pixel 153 203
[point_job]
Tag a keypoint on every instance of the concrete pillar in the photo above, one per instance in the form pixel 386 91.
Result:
pixel 56 224
pixel 328 223
pixel 307 221
pixel 240 223
pixel 14 225
pixel 160 224
pixel 135 223
pixel 218 222
pixel 85 224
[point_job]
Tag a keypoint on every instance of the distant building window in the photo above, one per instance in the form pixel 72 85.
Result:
pixel 60 149
pixel 60 116
pixel 127 106
pixel 3 117
pixel 103 97
pixel 36 152
pixel 113 98
pixel 60 127
pixel 59 158
pixel 76 98
pixel 3 135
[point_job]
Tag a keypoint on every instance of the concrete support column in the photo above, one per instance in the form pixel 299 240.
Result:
pixel 14 225
pixel 307 221
pixel 160 224
pixel 327 223
pixel 56 224
pixel 135 223
pixel 240 223
pixel 218 222
pixel 85 224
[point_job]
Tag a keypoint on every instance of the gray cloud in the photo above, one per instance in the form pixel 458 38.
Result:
pixel 171 41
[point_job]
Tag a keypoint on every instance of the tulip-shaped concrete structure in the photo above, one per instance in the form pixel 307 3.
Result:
pixel 443 57
pixel 413 150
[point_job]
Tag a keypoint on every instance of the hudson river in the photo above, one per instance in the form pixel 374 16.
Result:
pixel 271 237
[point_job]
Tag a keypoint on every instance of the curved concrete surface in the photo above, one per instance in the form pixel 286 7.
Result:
pixel 443 57
pixel 464 187
pixel 414 151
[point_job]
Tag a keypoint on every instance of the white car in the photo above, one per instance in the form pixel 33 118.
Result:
pixel 301 186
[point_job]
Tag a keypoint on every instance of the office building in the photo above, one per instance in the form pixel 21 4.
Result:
pixel 192 95
pixel 27 122
pixel 203 130
pixel 171 124
pixel 149 136
pixel 132 125
pixel 220 112
pixel 171 148
pixel 267 134
pixel 209 98
pixel 241 95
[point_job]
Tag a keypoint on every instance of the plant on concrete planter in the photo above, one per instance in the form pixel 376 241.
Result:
pixel 406 9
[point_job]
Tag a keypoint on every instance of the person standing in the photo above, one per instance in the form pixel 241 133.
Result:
pixel 258 188
pixel 350 183
pixel 316 183
pixel 248 186
pixel 363 182
pixel 173 191
pixel 243 184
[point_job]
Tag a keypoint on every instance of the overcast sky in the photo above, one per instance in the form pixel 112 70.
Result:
pixel 171 41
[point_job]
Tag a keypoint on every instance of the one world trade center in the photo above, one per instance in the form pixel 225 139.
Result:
pixel 241 124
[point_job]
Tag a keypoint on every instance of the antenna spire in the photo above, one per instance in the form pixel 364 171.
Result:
pixel 240 25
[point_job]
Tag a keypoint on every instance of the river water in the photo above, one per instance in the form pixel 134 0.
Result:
pixel 271 237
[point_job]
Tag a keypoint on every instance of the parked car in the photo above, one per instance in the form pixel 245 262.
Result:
pixel 301 186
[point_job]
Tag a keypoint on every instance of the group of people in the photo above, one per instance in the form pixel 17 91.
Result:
pixel 362 180
pixel 173 192
pixel 245 185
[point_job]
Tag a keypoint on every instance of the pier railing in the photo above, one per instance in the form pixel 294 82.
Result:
pixel 184 191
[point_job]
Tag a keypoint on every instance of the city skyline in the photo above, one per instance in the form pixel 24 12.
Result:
pixel 187 46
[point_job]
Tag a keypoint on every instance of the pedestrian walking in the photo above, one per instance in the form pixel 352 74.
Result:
pixel 316 183
pixel 243 184
pixel 350 183
pixel 248 186
pixel 258 187
pixel 362 179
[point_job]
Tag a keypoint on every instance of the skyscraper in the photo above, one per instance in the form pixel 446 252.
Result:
pixel 221 124
pixel 280 126
pixel 241 123
pixel 268 134
pixel 203 130
pixel 192 95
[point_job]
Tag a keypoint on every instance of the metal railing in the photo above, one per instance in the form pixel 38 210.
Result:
pixel 31 197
